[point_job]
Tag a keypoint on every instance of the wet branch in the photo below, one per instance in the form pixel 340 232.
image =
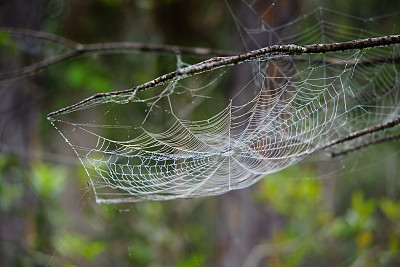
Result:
pixel 362 132
pixel 275 51
pixel 223 59
pixel 366 144
pixel 352 62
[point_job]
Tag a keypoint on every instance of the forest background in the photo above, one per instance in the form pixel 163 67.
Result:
pixel 338 212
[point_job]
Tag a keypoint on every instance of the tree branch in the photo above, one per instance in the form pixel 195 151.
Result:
pixel 364 145
pixel 261 54
pixel 363 62
pixel 79 49
pixel 362 132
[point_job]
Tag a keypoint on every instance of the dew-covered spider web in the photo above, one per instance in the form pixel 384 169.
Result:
pixel 227 128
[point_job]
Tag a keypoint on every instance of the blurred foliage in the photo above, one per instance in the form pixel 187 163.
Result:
pixel 66 228
pixel 47 180
pixel 78 248
pixel 177 233
pixel 366 234
pixel 9 192
pixel 81 75
pixel 7 43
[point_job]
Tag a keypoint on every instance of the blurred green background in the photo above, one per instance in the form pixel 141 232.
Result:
pixel 342 212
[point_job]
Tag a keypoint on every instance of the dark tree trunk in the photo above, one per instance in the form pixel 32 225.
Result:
pixel 244 224
pixel 18 109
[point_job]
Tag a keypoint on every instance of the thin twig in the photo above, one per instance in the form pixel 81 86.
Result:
pixel 355 44
pixel 336 61
pixel 40 35
pixel 261 54
pixel 38 66
pixel 364 145
pixel 79 49
pixel 360 133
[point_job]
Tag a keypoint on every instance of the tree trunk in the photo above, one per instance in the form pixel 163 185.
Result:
pixel 18 109
pixel 245 224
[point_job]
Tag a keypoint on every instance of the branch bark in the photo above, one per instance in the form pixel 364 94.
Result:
pixel 362 132
pixel 259 54
pixel 363 62
pixel 364 145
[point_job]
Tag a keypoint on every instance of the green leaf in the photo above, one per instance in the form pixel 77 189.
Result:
pixel 9 193
pixel 390 208
pixel 8 43
pixel 193 260
pixel 93 249
pixel 48 180
pixel 72 245
pixel 363 207
pixel 139 252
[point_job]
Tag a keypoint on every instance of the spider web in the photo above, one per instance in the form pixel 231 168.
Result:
pixel 186 139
